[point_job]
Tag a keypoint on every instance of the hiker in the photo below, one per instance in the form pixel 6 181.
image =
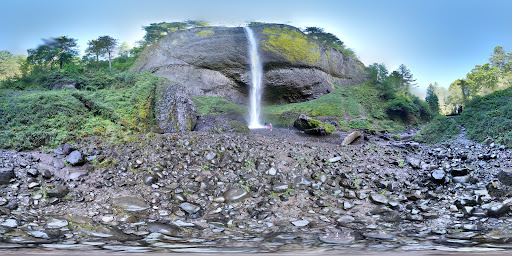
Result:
pixel 455 110
pixel 270 126
pixel 266 123
pixel 460 109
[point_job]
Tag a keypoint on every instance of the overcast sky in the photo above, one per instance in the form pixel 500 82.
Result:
pixel 438 40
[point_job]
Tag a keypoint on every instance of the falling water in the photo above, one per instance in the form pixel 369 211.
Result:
pixel 256 81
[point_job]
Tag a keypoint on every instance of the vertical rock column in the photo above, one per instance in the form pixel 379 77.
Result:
pixel 175 111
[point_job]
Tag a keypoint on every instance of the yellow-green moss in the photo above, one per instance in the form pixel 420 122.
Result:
pixel 206 33
pixel 291 44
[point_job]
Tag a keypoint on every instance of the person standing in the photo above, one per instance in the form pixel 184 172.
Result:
pixel 270 126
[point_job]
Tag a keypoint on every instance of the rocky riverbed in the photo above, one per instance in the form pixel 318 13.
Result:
pixel 260 191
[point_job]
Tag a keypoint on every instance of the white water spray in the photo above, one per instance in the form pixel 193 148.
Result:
pixel 256 81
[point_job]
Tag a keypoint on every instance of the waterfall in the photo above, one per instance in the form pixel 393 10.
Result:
pixel 256 81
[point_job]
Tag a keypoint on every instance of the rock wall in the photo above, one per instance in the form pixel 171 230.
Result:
pixel 214 61
pixel 174 110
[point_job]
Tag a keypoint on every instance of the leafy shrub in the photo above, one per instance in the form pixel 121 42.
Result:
pixel 439 129
pixel 359 124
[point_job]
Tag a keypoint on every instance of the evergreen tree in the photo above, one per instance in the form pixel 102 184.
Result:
pixel 432 99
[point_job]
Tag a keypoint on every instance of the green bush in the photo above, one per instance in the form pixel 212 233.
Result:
pixel 401 108
pixel 439 129
pixel 489 116
pixel 359 124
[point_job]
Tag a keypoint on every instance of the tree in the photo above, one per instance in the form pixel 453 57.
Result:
pixel 432 99
pixel 406 77
pixel 466 89
pixel 10 65
pixel 483 77
pixel 103 46
pixel 378 72
pixel 124 50
pixel 94 48
pixel 107 44
pixel 156 31
pixel 61 49
pixel 499 58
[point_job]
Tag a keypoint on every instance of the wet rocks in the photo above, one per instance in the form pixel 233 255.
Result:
pixel 56 223
pixel 379 199
pixel 6 174
pixel 130 204
pixel 58 191
pixel 190 208
pixel 75 158
pixel 351 138
pixel 300 223
pixel 235 194
pixel 343 236
pixel 505 176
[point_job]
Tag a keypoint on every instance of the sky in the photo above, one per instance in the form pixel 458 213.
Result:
pixel 438 40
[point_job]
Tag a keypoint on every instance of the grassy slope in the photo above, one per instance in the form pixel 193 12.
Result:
pixel 488 116
pixel 353 107
pixel 29 119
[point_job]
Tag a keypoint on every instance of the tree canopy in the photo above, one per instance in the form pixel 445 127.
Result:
pixel 59 49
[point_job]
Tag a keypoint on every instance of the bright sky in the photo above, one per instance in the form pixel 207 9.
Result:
pixel 438 40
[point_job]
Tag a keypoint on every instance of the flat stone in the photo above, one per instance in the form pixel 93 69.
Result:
pixel 56 223
pixel 335 159
pixel 130 204
pixel 189 207
pixel 210 156
pixel 379 199
pixel 379 235
pixel 10 223
pixel 75 158
pixel 342 237
pixel 280 187
pixel 300 223
pixel 166 229
pixel 272 171
pixel 235 194
pixel 59 191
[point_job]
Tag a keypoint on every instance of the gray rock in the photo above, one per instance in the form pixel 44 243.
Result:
pixel 280 187
pixel 6 174
pixel 300 223
pixel 59 164
pixel 210 156
pixel 56 223
pixel 130 204
pixel 344 236
pixel 190 208
pixel 166 229
pixel 497 209
pixel 438 175
pixel 379 235
pixel 505 176
pixel 175 111
pixel 235 194
pixel 379 199
pixel 67 149
pixel 150 179
pixel 33 172
pixel 59 191
pixel 10 223
pixel 310 125
pixel 334 159
pixel 75 158
pixel 414 162
pixel 352 138
pixel 272 171
pixel 77 175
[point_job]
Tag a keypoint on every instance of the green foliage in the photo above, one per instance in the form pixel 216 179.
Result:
pixel 489 116
pixel 156 31
pixel 255 23
pixel 432 99
pixel 329 39
pixel 48 118
pixel 441 128
pixel 209 105
pixel 401 108
pixel 205 33
pixel 10 65
pixel 291 44
pixel 60 49
pixel 359 124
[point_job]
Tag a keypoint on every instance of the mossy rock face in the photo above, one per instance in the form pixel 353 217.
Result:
pixel 175 111
pixel 214 61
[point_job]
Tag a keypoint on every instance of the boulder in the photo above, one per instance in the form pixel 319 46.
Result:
pixel 6 174
pixel 505 176
pixel 351 138
pixel 174 110
pixel 312 126
pixel 75 158
pixel 213 61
